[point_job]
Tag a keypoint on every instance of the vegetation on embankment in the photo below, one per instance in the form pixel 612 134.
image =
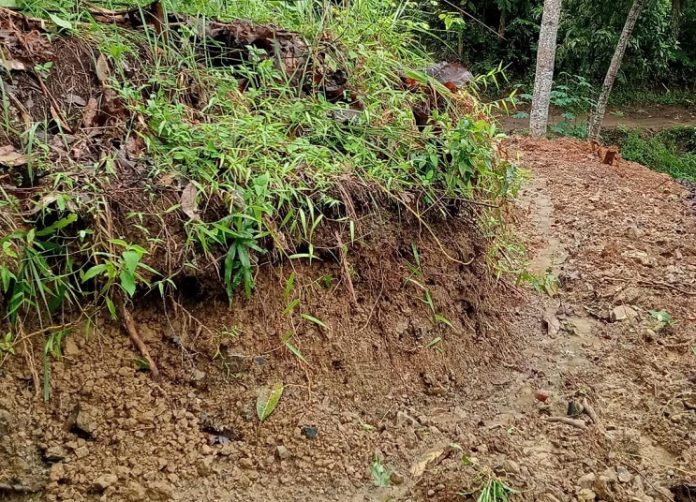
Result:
pixel 671 151
pixel 187 148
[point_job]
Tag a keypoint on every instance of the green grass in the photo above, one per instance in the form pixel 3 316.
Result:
pixel 671 151
pixel 267 166
pixel 622 96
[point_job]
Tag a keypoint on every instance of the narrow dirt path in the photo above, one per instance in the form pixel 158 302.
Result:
pixel 622 242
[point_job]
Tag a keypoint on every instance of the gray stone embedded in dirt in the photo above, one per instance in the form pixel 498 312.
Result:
pixel 622 313
pixel 622 474
pixel 85 422
pixel 283 453
pixel 396 479
pixel 105 481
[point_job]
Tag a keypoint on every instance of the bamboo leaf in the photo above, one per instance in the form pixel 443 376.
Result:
pixel 268 400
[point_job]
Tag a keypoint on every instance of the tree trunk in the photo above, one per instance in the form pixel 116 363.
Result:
pixel 546 59
pixel 595 126
pixel 677 9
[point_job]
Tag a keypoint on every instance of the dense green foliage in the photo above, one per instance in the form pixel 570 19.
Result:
pixel 672 151
pixel 256 160
pixel 662 49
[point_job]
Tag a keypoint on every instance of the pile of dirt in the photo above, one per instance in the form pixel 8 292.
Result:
pixel 355 338
pixel 111 430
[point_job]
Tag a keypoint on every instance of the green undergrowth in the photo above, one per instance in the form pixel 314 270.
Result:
pixel 672 151
pixel 257 161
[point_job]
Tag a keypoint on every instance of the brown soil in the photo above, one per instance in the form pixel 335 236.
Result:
pixel 616 236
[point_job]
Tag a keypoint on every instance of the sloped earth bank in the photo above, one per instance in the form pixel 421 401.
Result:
pixel 621 240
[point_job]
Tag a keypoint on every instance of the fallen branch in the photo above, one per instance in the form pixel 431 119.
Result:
pixel 129 324
pixel 580 424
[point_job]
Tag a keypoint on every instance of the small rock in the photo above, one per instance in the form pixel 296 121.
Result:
pixel 586 494
pixel 70 348
pixel 622 313
pixel 482 448
pixel 126 372
pixel 55 454
pixel 622 474
pixel 160 490
pixel 541 395
pixel 310 431
pixel 197 375
pixel 609 475
pixel 85 423
pixel 82 452
pixel 587 481
pixel 204 466
pixel 104 481
pixel 511 467
pixel 246 463
pixel 403 418
pixel 396 479
pixel 640 256
pixel 57 472
pixel 283 453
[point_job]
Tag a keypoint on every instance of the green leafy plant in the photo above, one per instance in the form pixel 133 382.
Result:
pixel 267 401
pixel 381 476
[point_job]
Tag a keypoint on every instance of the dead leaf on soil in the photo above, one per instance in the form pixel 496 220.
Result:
pixel 102 69
pixel 553 325
pixel 13 65
pixel 90 112
pixel 429 460
pixel 10 157
pixel 188 202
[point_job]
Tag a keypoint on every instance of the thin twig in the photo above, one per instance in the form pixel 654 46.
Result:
pixel 132 330
pixel 580 424
pixel 346 270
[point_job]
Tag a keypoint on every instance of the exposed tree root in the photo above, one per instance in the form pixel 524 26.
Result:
pixel 132 330
pixel 580 424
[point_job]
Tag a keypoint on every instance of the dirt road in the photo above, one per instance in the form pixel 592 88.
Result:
pixel 649 118
pixel 622 242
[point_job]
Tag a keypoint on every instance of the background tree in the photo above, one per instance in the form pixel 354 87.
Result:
pixel 546 58
pixel 597 117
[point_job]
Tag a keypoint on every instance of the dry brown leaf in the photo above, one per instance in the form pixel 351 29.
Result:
pixel 90 112
pixel 428 459
pixel 13 65
pixel 10 157
pixel 102 69
pixel 188 202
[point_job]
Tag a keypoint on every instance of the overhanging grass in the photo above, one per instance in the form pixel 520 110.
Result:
pixel 265 162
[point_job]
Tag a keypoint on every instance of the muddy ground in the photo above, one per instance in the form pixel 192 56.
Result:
pixel 482 402
pixel 649 118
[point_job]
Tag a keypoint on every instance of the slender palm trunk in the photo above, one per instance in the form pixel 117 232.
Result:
pixel 595 126
pixel 546 59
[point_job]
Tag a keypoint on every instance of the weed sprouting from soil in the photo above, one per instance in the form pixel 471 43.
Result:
pixel 202 148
